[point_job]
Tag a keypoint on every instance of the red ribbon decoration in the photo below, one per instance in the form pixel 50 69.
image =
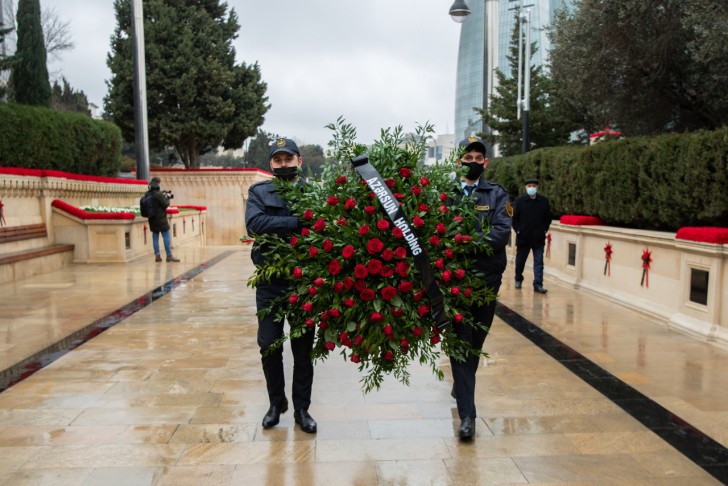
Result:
pixel 608 257
pixel 646 260
pixel 2 215
pixel 548 244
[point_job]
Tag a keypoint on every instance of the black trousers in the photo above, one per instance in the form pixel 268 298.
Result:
pixel 463 372
pixel 270 330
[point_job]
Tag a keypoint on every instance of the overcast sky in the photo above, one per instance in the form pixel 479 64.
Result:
pixel 379 63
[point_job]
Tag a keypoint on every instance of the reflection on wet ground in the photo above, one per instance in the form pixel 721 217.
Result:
pixel 576 390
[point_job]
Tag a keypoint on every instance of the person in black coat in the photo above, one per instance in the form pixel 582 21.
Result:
pixel 491 202
pixel 158 223
pixel 267 213
pixel 531 220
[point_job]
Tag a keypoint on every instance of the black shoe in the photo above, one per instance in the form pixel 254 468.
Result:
pixel 305 421
pixel 540 290
pixel 518 285
pixel 273 415
pixel 467 428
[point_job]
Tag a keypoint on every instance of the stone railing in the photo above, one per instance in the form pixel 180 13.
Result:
pixel 685 286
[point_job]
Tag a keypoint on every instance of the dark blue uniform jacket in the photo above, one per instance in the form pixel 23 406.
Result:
pixel 266 213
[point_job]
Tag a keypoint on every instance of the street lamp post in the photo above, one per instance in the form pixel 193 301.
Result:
pixel 140 91
pixel 524 72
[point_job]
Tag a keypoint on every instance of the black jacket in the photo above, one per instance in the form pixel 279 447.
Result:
pixel 159 222
pixel 494 210
pixel 266 213
pixel 531 220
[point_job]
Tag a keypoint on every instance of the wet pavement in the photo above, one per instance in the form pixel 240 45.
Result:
pixel 148 373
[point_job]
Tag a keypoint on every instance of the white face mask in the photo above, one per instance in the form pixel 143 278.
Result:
pixel 531 191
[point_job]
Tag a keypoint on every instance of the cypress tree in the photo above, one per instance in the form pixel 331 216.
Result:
pixel 29 77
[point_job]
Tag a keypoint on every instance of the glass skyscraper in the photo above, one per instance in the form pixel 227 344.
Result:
pixel 479 57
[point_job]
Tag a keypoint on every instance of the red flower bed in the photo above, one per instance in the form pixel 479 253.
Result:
pixel 718 236
pixel 579 220
pixel 189 206
pixel 81 214
pixel 67 175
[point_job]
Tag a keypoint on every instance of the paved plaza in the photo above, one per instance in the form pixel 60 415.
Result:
pixel 576 391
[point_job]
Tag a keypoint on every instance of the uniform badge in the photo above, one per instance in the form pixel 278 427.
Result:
pixel 472 139
pixel 509 210
pixel 482 208
pixel 281 142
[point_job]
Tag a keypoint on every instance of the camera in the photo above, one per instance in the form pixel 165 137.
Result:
pixel 168 194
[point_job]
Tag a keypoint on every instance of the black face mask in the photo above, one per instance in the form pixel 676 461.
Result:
pixel 286 173
pixel 475 170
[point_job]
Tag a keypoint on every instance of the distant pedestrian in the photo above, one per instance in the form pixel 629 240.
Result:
pixel 531 220
pixel 158 222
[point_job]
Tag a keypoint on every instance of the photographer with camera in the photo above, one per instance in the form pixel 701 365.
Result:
pixel 154 206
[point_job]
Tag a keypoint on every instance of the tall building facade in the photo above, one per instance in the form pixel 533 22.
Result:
pixel 485 38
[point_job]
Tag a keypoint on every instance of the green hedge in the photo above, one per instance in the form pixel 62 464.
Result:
pixel 660 183
pixel 41 138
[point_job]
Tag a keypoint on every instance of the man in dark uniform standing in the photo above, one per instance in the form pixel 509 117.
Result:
pixel 267 213
pixel 491 202
pixel 531 220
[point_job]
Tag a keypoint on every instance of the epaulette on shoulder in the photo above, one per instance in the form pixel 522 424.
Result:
pixel 259 183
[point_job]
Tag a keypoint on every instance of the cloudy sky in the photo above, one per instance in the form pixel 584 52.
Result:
pixel 378 63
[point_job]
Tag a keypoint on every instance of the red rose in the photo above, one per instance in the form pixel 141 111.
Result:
pixel 294 240
pixel 343 336
pixel 374 267
pixel 330 345
pixel 360 285
pixel 400 252
pixel 383 225
pixel 376 317
pixel 404 344
pixel 342 221
pixel 459 274
pixel 390 183
pixel 396 312
pixel 443 197
pixel 308 215
pixel 375 246
pixel 387 255
pixel 458 219
pixel 398 196
pixel 332 201
pixel 388 356
pixel 338 287
pixel 386 271
pixel 350 204
pixel 416 190
pixel 310 323
pixel 419 295
pixel 335 313
pixel 328 245
pixel 348 303
pixel 448 253
pixel 297 272
pixel 403 269
pixel 348 283
pixel 418 222
pixel 458 238
pixel 441 228
pixel 367 295
pixel 355 358
pixel 466 238
pixel 319 225
pixel 417 331
pixel 348 252
pixel 467 292
pixel 334 267
pixel 305 232
pixel 439 264
pixel 443 209
pixel 389 293
pixel 435 339
pixel 364 230
pixel 423 208
pixel 370 210
pixel 360 271
pixel 455 291
pixel 458 318
pixel 307 306
pixel 397 232
pixel 341 180
pixel 293 299
pixel 423 310
pixel 405 172
pixel 323 325
pixel 387 330
pixel 312 291
pixel 358 340
pixel 446 275
pixel 435 240
pixel 313 252
pixel 324 316
pixel 424 181
pixel 405 286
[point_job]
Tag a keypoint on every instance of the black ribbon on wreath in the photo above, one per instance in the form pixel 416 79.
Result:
pixel 394 211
